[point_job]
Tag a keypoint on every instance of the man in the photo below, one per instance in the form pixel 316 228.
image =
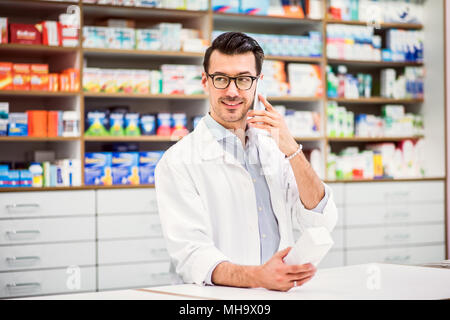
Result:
pixel 228 194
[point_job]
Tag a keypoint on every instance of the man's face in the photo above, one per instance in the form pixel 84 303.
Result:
pixel 229 106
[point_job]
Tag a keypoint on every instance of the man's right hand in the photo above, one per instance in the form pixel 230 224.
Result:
pixel 276 275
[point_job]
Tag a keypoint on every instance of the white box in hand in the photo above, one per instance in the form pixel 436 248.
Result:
pixel 311 247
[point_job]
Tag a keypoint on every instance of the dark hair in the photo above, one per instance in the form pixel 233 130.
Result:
pixel 232 43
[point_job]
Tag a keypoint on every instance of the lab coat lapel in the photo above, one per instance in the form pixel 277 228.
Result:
pixel 270 162
pixel 210 149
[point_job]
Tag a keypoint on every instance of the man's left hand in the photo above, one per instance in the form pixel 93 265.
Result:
pixel 273 122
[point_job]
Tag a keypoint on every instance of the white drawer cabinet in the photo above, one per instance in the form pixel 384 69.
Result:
pixel 40 204
pixel 127 201
pixel 394 236
pixel 46 230
pixel 30 283
pixel 394 213
pixel 24 257
pixel 134 275
pixel 406 255
pixel 119 251
pixel 382 193
pixel 126 226
pixel 338 193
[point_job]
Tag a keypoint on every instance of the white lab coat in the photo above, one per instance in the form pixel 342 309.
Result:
pixel 207 204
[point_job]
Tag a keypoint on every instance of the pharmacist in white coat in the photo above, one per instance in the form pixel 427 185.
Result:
pixel 229 196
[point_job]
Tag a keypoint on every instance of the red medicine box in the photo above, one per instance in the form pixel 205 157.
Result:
pixel 24 34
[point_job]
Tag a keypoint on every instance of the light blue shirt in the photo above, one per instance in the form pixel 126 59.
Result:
pixel 249 158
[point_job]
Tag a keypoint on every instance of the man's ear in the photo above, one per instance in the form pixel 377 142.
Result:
pixel 205 81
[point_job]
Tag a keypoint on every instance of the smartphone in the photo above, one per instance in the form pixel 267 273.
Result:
pixel 257 104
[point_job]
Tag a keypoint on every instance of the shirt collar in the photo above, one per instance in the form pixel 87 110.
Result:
pixel 220 133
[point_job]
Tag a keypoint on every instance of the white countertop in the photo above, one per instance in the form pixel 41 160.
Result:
pixel 358 282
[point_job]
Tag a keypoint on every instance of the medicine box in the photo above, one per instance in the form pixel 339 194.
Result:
pixel 228 6
pixel 125 168
pixel 97 168
pixel 254 7
pixel 4 178
pixel 148 39
pixel 18 124
pixel 3 30
pixel 4 111
pixel 26 178
pixel 147 165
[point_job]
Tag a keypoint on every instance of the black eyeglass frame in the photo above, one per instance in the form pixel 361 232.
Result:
pixel 232 78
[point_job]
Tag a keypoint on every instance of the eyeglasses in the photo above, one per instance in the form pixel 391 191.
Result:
pixel 222 82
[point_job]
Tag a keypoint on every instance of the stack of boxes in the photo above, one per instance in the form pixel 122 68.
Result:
pixel 121 168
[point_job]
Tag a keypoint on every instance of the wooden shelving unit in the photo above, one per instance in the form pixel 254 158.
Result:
pixel 206 21
pixel 383 25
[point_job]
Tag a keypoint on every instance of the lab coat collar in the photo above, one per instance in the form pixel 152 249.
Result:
pixel 210 149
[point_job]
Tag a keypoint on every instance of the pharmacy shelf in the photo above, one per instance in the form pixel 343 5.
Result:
pixel 34 10
pixel 295 59
pixel 34 139
pixel 257 19
pixel 388 180
pixel 373 139
pixel 41 189
pixel 294 99
pixel 122 53
pixel 383 25
pixel 107 11
pixel 307 139
pixel 15 93
pixel 377 100
pixel 374 64
pixel 41 50
pixel 145 96
pixel 132 139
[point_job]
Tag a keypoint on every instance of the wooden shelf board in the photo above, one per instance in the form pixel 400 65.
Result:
pixel 388 180
pixel 383 25
pixel 133 139
pixel 99 10
pixel 369 139
pixel 144 96
pixel 37 93
pixel 377 100
pixel 31 189
pixel 140 53
pixel 36 49
pixel 368 63
pixel 294 99
pixel 34 139
pixel 230 17
pixel 295 59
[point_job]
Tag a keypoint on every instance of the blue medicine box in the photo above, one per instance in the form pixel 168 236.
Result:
pixel 255 7
pixel 125 168
pixel 26 178
pixel 147 165
pixel 226 6
pixel 4 177
pixel 97 168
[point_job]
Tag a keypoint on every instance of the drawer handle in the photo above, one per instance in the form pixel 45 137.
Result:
pixel 158 251
pixel 22 206
pixel 397 258
pixel 160 275
pixel 23 285
pixel 19 259
pixel 32 233
pixel 397 214
pixel 397 237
